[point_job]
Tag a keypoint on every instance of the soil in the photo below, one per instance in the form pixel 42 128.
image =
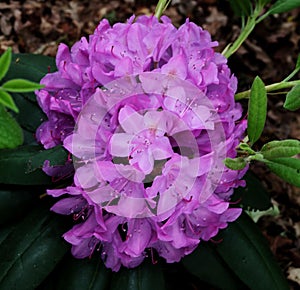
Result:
pixel 270 52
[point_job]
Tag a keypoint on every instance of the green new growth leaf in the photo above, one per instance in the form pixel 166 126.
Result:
pixel 5 61
pixel 246 148
pixel 281 6
pixel 235 163
pixel 257 214
pixel 284 148
pixel 292 101
pixel 21 85
pixel 286 168
pixel 257 110
pixel 11 134
pixel 7 101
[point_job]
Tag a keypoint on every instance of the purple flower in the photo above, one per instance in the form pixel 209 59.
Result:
pixel 155 117
pixel 143 141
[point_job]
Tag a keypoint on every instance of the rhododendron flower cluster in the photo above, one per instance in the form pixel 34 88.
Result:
pixel 147 111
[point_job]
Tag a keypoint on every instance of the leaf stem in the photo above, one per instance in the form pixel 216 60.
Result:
pixel 269 88
pixel 252 21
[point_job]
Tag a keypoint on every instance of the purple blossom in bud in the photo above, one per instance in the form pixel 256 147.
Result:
pixel 155 117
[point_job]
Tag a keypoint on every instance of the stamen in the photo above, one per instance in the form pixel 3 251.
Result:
pixel 235 202
pixel 188 200
pixel 43 195
pixel 93 247
pixel 152 257
pixel 188 106
pixel 82 214
pixel 112 50
pixel 191 228
pixel 217 241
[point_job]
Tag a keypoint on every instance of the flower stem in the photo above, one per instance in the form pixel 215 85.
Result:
pixel 269 88
pixel 252 21
pixel 161 7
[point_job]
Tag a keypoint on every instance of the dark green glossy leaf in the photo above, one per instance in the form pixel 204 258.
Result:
pixel 284 148
pixel 29 138
pixel 5 61
pixel 247 253
pixel 5 231
pixel 30 115
pixel 15 203
pixel 257 110
pixel 31 251
pixel 145 277
pixel 281 6
pixel 89 274
pixel 7 101
pixel 235 163
pixel 30 66
pixel 11 134
pixel 23 165
pixel 292 101
pixel 286 168
pixel 253 196
pixel 20 86
pixel 213 267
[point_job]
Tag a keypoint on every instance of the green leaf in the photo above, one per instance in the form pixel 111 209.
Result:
pixel 246 148
pixel 15 203
pixel 29 138
pixel 5 61
pixel 286 168
pixel 145 277
pixel 247 253
pixel 30 115
pixel 23 165
pixel 253 196
pixel 7 101
pixel 257 110
pixel 281 6
pixel 284 148
pixel 5 232
pixel 241 8
pixel 292 101
pixel 21 85
pixel 235 163
pixel 256 215
pixel 32 250
pixel 32 67
pixel 11 134
pixel 213 267
pixel 75 274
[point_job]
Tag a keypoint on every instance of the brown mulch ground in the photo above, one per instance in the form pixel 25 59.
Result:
pixel 39 26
